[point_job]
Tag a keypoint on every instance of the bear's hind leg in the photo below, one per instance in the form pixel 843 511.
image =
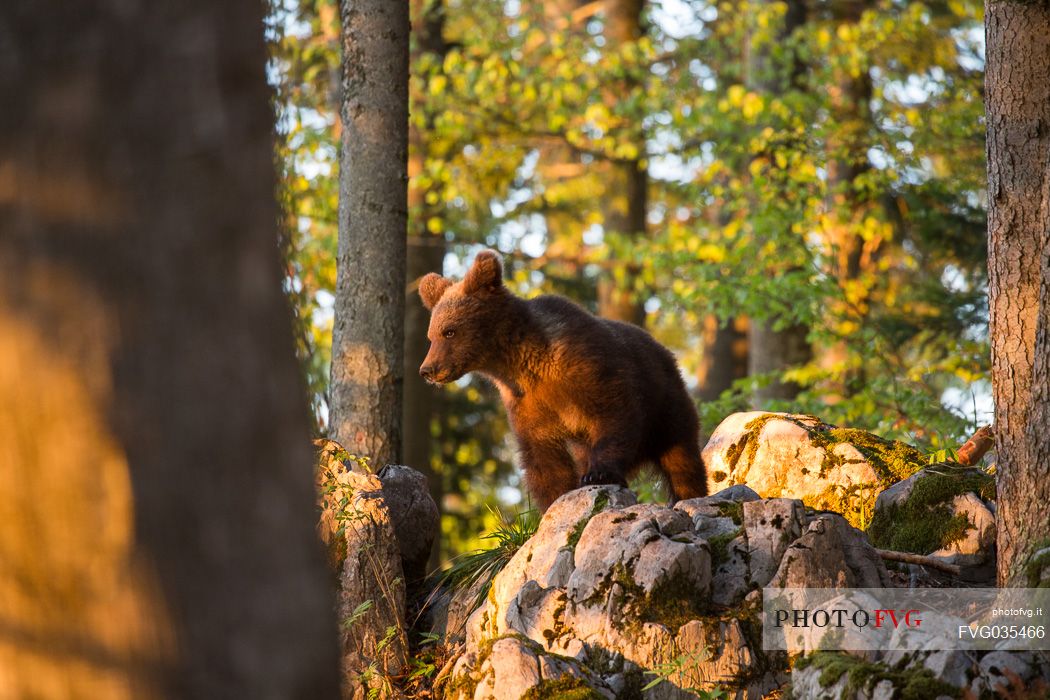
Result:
pixel 608 462
pixel 549 472
pixel 685 472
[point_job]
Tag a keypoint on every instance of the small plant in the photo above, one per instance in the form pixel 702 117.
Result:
pixel 685 669
pixel 482 565
pixel 358 613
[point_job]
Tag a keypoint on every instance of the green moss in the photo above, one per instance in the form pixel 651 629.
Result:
pixel 911 684
pixel 747 445
pixel 719 545
pixel 731 509
pixel 600 502
pixel 672 603
pixel 893 460
pixel 943 486
pixel 890 459
pixel 565 688
pixel 924 522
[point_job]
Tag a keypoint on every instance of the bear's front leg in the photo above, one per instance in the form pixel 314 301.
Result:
pixel 549 470
pixel 609 462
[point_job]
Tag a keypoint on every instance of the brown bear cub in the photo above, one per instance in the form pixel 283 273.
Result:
pixel 589 400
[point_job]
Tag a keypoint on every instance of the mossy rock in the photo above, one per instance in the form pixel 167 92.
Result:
pixel 909 683
pixel 924 522
pixel 829 468
pixel 565 688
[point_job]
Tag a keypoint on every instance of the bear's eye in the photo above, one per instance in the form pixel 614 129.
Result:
pixel 449 333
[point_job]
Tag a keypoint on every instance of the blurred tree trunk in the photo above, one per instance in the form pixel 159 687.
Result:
pixel 627 192
pixel 155 472
pixel 368 333
pixel 724 345
pixel 852 256
pixel 564 266
pixel 771 349
pixel 426 253
pixel 1018 108
pixel 725 355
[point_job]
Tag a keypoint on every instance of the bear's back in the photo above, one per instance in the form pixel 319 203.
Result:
pixel 611 350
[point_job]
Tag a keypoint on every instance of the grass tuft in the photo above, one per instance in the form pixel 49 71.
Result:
pixel 482 565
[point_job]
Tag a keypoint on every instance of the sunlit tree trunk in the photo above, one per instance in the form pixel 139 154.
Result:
pixel 368 333
pixel 1018 108
pixel 627 200
pixel 771 349
pixel 156 478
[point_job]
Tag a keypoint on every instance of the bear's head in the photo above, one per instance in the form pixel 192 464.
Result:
pixel 465 319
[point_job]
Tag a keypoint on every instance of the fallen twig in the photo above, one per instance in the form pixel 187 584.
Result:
pixel 909 558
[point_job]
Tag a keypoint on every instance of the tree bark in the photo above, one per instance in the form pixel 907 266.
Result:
pixel 155 469
pixel 368 332
pixel 627 195
pixel 770 349
pixel 1018 108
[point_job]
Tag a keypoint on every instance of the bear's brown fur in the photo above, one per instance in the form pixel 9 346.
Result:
pixel 589 400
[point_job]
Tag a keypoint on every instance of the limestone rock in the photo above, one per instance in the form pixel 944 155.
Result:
pixel 730 580
pixel 445 612
pixel 718 518
pixel 771 526
pixel 898 493
pixel 636 544
pixel 414 515
pixel 782 455
pixel 937 511
pixel 1005 673
pixel 830 554
pixel 977 546
pixel 842 676
pixel 514 666
pixel 934 674
pixel 622 588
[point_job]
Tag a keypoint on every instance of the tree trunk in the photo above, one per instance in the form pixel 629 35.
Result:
pixel 368 333
pixel 725 356
pixel 1018 107
pixel 771 350
pixel 155 471
pixel 849 253
pixel 627 192
pixel 426 253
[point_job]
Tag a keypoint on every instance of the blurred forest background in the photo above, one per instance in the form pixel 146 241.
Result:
pixel 790 195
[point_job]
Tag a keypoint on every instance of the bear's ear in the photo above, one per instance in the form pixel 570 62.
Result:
pixel 485 273
pixel 431 287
